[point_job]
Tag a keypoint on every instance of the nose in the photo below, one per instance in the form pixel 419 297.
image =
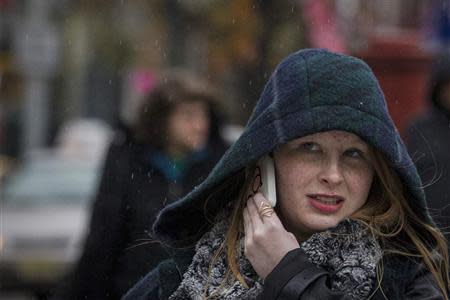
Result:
pixel 331 173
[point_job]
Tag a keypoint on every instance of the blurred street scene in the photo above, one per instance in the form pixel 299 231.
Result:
pixel 74 73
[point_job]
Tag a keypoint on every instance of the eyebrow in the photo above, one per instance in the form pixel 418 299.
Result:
pixel 359 144
pixel 354 141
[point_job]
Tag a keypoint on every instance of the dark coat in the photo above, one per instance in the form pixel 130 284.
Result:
pixel 297 278
pixel 119 249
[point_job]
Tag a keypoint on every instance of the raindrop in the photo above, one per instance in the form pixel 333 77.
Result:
pixel 132 176
pixel 110 82
pixel 233 21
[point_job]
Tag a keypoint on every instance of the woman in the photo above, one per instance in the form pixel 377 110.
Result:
pixel 350 220
pixel 172 148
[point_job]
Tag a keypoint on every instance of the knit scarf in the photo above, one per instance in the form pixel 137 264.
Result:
pixel 349 252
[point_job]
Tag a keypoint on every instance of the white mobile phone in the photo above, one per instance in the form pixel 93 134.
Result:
pixel 268 184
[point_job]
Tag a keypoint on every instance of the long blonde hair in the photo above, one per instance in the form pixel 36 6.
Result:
pixel 387 214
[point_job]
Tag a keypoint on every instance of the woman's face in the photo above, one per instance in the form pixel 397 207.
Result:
pixel 321 179
pixel 188 127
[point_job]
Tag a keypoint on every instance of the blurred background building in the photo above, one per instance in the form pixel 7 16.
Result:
pixel 65 60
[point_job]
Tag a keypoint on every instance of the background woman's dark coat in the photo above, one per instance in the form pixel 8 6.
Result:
pixel 119 249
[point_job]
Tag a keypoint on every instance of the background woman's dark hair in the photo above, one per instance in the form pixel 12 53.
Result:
pixel 173 88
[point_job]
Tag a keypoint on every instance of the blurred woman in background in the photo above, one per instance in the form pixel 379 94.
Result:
pixel 173 146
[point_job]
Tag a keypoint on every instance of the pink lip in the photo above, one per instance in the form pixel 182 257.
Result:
pixel 327 208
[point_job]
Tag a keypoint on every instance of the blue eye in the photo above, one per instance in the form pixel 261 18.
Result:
pixel 310 146
pixel 354 153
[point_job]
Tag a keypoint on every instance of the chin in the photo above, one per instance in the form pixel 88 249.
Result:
pixel 321 224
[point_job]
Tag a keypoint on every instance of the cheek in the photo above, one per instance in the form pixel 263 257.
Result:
pixel 292 179
pixel 175 135
pixel 181 128
pixel 286 175
pixel 360 184
pixel 202 123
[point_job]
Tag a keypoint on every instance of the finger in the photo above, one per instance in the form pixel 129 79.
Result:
pixel 265 210
pixel 258 199
pixel 255 218
pixel 248 229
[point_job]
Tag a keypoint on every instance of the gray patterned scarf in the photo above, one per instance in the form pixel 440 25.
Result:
pixel 349 252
